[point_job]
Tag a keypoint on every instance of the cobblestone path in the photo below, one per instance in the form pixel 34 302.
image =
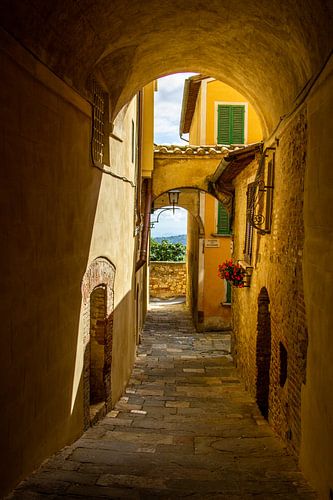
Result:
pixel 185 428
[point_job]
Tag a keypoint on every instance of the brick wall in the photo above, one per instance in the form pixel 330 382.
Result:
pixel 277 261
pixel 167 279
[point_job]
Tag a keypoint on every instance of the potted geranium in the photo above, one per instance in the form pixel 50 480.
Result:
pixel 232 272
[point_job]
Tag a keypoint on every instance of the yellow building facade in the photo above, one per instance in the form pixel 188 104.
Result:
pixel 214 113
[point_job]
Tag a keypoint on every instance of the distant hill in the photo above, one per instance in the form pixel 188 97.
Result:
pixel 180 238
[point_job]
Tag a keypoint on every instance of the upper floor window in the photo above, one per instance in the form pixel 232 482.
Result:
pixel 100 139
pixel 223 220
pixel 231 124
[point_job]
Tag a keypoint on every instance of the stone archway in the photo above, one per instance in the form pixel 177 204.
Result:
pixel 263 352
pixel 98 307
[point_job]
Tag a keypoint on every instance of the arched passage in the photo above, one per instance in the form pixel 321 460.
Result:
pixel 268 52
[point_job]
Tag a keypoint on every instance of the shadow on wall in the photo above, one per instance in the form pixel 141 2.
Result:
pixel 49 195
pixel 102 373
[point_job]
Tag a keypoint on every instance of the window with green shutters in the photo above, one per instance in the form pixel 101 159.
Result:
pixel 230 124
pixel 223 220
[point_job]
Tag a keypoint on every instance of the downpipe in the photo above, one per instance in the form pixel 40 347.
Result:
pixel 146 224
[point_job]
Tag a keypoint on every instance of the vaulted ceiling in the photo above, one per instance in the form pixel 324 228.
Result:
pixel 268 49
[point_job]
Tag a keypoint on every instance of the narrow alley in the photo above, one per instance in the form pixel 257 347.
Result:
pixel 184 428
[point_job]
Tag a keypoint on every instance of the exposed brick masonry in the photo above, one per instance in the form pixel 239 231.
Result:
pixel 100 273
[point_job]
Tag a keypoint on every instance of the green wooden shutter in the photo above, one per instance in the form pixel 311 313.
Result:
pixel 223 220
pixel 223 124
pixel 228 294
pixel 237 125
pixel 230 124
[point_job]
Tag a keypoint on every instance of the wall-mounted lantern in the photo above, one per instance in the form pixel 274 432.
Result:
pixel 173 198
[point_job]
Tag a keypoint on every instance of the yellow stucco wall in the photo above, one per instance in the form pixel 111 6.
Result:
pixel 218 92
pixel 59 214
pixel 204 131
pixel 216 315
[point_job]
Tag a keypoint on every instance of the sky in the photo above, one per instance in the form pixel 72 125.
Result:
pixel 169 224
pixel 168 102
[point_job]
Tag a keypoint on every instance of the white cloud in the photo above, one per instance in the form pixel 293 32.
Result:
pixel 170 224
pixel 168 102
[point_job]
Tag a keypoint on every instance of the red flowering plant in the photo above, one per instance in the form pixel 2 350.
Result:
pixel 232 272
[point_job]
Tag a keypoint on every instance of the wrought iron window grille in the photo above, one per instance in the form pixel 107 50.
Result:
pixel 260 195
pixel 248 273
pixel 101 127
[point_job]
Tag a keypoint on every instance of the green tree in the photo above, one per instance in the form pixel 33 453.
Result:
pixel 174 252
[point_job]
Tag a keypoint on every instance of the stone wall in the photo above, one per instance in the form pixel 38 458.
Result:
pixel 277 262
pixel 167 279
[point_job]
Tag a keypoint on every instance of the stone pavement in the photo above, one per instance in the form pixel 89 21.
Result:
pixel 185 428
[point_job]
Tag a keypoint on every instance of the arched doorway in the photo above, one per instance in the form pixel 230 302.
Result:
pixel 98 307
pixel 263 352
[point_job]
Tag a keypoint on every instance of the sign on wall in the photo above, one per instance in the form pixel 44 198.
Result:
pixel 212 243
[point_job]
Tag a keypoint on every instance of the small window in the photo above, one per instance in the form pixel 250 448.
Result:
pixel 251 189
pixel 230 124
pixel 223 220
pixel 283 364
pixel 100 139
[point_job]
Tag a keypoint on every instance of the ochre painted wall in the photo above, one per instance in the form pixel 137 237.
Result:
pixel 216 315
pixel 58 213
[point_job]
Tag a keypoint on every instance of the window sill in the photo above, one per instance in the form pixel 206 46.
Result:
pixel 225 304
pixel 217 235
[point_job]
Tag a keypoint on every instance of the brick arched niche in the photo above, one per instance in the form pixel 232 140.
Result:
pixel 98 307
pixel 263 352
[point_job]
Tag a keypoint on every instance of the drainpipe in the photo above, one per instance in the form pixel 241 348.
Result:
pixel 146 222
pixel 221 167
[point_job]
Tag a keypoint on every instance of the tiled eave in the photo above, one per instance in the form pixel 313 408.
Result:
pixel 197 151
pixel 234 163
